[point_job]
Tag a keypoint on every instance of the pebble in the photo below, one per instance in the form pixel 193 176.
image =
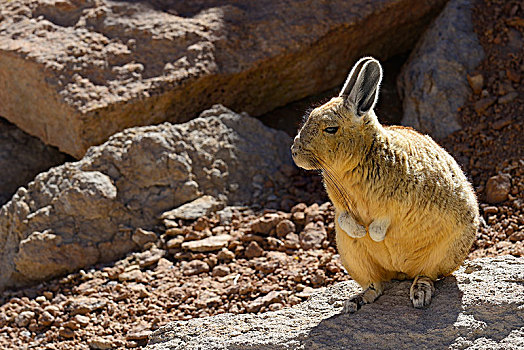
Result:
pixel 208 244
pixel 141 237
pixel 476 82
pixel 24 318
pixel 195 267
pixel 253 250
pixel 497 188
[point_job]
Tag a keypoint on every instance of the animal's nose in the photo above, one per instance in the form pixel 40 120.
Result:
pixel 296 146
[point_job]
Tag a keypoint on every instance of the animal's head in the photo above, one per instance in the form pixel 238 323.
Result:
pixel 336 131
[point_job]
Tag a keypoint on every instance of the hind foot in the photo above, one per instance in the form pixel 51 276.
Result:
pixel 421 291
pixel 367 297
pixel 348 224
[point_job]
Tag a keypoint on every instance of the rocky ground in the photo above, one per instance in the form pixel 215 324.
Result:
pixel 245 261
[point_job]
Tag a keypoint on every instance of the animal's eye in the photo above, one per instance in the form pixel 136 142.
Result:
pixel 331 129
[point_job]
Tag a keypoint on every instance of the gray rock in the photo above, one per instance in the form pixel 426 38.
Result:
pixel 433 83
pixel 208 244
pixel 87 69
pixel 193 210
pixel 479 307
pixel 85 212
pixel 22 157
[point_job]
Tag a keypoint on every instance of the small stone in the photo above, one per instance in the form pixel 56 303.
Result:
pixel 194 267
pixel 48 295
pixel 266 223
pixel 175 231
pixel 67 333
pixel 221 271
pixel 138 335
pixel 253 250
pixel 481 105
pixel 265 266
pixel 292 241
pixel 208 244
pixel 271 297
pixel 517 236
pixel 84 305
pixel 299 218
pixel 313 235
pixel 24 318
pixel 476 82
pixel 133 275
pixel 202 206
pixel 71 324
pixel 497 188
pixel 508 97
pixel 491 210
pixel 141 237
pixel 175 242
pixel 52 309
pixel 284 227
pixel 275 306
pixel 100 343
pixel 82 320
pixel 46 319
pixel 150 257
pixel 225 255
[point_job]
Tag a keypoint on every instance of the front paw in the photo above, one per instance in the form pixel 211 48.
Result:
pixel 350 226
pixel 378 229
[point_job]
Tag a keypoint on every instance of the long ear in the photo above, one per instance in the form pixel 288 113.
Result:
pixel 362 85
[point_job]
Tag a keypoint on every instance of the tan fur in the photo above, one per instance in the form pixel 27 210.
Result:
pixel 392 172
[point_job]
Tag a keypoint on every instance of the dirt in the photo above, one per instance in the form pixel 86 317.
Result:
pixel 275 259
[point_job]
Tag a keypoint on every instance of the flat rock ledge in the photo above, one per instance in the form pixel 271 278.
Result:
pixel 480 307
pixel 86 69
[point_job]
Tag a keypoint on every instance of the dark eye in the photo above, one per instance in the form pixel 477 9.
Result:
pixel 331 129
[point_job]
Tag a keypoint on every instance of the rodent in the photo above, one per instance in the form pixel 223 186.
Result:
pixel 403 206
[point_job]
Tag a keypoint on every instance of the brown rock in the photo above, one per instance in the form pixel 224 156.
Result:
pixel 225 255
pixel 497 188
pixel 517 236
pixel 194 267
pixel 195 209
pixel 175 242
pixel 284 227
pixel 266 223
pixel 508 97
pixel 208 244
pixel 221 271
pixel 271 297
pixel 150 257
pixel 132 275
pixel 142 237
pixel 313 235
pixel 24 318
pixel 67 333
pixel 292 241
pixel 100 343
pixel 138 335
pixel 476 82
pixel 84 305
pixel 253 250
pixel 481 105
pixel 82 79
pixel 46 319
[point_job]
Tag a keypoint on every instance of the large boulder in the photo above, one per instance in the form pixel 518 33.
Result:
pixel 85 212
pixel 479 307
pixel 22 157
pixel 74 72
pixel 433 83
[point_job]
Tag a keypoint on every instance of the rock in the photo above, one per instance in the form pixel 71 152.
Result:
pixel 133 275
pixel 478 307
pixel 225 255
pixel 221 271
pixel 202 206
pixel 292 241
pixel 433 83
pixel 508 97
pixel 150 257
pixel 175 242
pixel 253 250
pixel 142 237
pixel 313 235
pixel 284 227
pixel 138 335
pixel 66 333
pixel 476 82
pixel 271 297
pixel 59 224
pixel 497 188
pixel 100 343
pixel 481 105
pixel 83 305
pixel 22 157
pixel 24 318
pixel 208 244
pixel 266 223
pixel 46 319
pixel 517 236
pixel 194 267
pixel 83 76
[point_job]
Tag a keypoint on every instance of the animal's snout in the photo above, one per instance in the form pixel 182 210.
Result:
pixel 296 147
